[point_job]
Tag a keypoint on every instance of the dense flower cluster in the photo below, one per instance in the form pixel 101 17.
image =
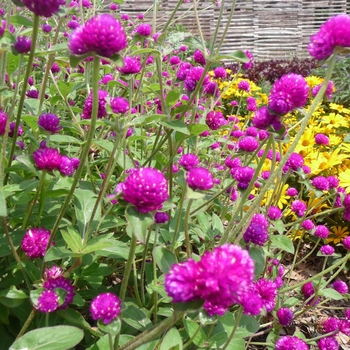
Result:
pixel 105 307
pixel 35 241
pixel 45 8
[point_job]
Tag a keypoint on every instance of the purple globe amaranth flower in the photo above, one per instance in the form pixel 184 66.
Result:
pixel 131 66
pixel 47 158
pixel 328 343
pixel 346 243
pixel 102 101
pixel 47 301
pixel 284 316
pixel 49 122
pixel 333 181
pixel 320 183
pixel 3 122
pixel 334 32
pixel 249 64
pixel 233 162
pixel 45 8
pixel 215 120
pixel 34 242
pixel 321 231
pixel 347 313
pixel 274 213
pixel 331 324
pixel 188 161
pixel 242 174
pixel 12 129
pixel 295 161
pixel 119 105
pixel 289 92
pixel 193 77
pixel 161 217
pixel 292 192
pixel 144 29
pixel 344 327
pixel 55 68
pixel 199 57
pixel 22 44
pixel 329 90
pixel 181 282
pixel 308 225
pixel 174 60
pixel 220 73
pixel 68 165
pixel 321 139
pixel 248 144
pixel 33 93
pixel 299 207
pixel 146 189
pixel 308 291
pixel 262 119
pixel 327 250
pixel 251 104
pixel 101 34
pixel 244 85
pixel 46 28
pixel 53 272
pixel 267 291
pixel 256 234
pixel 211 88
pixel 225 275
pixel 105 307
pixel 252 302
pixel 340 286
pixel 63 283
pixel 199 179
pixel 289 342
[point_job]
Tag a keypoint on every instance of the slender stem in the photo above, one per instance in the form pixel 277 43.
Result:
pixel 155 279
pixel 199 28
pixel 238 318
pixel 27 323
pixel 172 16
pixel 111 341
pixel 143 266
pixel 136 288
pixel 187 234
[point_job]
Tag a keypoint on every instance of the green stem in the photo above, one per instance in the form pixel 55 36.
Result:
pixel 172 16
pixel 238 318
pixel 27 323
pixel 187 234
pixel 111 341
pixel 199 28
pixel 143 266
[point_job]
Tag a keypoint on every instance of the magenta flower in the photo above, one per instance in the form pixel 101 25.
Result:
pixel 288 342
pixel 3 121
pixel 321 231
pixel 146 189
pixel 251 301
pixel 119 105
pixel 256 234
pixel 292 192
pixel 328 343
pixel 327 250
pixel 346 243
pixel 308 225
pixel 102 101
pixel 46 28
pixel 274 213
pixel 243 85
pixel 331 324
pixel 199 179
pixel 47 158
pixel 199 57
pixel 320 183
pixel 262 119
pixel 105 307
pixel 63 283
pixel 215 120
pixel 285 316
pixel 220 73
pixel 340 286
pixel 161 217
pixel 328 93
pixel 193 77
pixel 101 34
pixel 68 165
pixel 47 301
pixel 188 161
pixel 267 291
pixel 144 29
pixel 53 272
pixel 248 144
pixel 22 44
pixel 249 64
pixel 299 207
pixel 131 66
pixel 49 122
pixel 321 139
pixel 34 242
pixel 45 8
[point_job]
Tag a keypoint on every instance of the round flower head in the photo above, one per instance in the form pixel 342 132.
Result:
pixel 242 174
pixel 49 122
pixel 262 119
pixel 188 161
pixel 328 343
pixel 288 342
pixel 220 73
pixel 105 307
pixel 63 283
pixel 331 324
pixel 12 129
pixel 320 183
pixel 131 66
pixel 327 250
pixel 243 85
pixel 22 44
pixel 102 101
pixel 47 158
pixel 251 301
pixel 333 182
pixel 53 272
pixel 321 231
pixel 292 192
pixel 46 28
pixel 226 274
pixel 340 286
pixel 144 29
pixel 3 121
pixel 285 316
pixel 68 165
pixel 251 104
pixel 181 281
pixel 267 290
pixel 248 144
pixel 321 139
pixel 215 120
pixel 329 90
pixel 34 242
pixel 346 243
pixel 199 179
pixel 193 77
pixel 101 34
pixel 161 217
pixel 199 57
pixel 120 105
pixel 274 213
pixel 47 301
pixel 289 92
pixel 45 8
pixel 146 189
pixel 174 60
pixel 249 64
pixel 308 225
pixel 256 234
pixel 299 207
pixel 334 32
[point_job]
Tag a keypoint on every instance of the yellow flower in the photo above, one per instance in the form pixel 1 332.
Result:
pixel 339 108
pixel 281 201
pixel 295 234
pixel 334 120
pixel 315 204
pixel 338 234
pixel 313 81
pixel 344 180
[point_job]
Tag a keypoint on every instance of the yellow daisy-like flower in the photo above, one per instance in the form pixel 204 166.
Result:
pixel 281 201
pixel 334 121
pixel 313 81
pixel 316 204
pixel 338 234
pixel 295 234
pixel 339 108
pixel 344 180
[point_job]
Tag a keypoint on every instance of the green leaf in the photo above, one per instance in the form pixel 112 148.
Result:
pixel 136 318
pixel 172 97
pixel 153 51
pixel 55 253
pixel 192 328
pixel 164 258
pixel 191 194
pixel 75 60
pixel 194 42
pixel 12 297
pixel 115 250
pixel 197 129
pixel 290 302
pixel 171 340
pixel 139 222
pixel 3 206
pixel 52 49
pixel 73 239
pixel 18 3
pixel 331 293
pixel 64 139
pixel 111 328
pixel 97 243
pixel 31 120
pixel 248 325
pixel 5 248
pixel 21 20
pixel 205 319
pixel 258 256
pixel 12 63
pixel 282 242
pixel 189 305
pixel 176 125
pixel 238 56
pixel 53 338
pixel 279 226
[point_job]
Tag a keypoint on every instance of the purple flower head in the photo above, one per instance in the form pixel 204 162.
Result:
pixel 292 192
pixel 249 64
pixel 131 66
pixel 3 122
pixel 299 207
pixel 49 122
pixel 321 139
pixel 328 343
pixel 215 120
pixel 144 29
pixel 320 183
pixel 119 105
pixel 267 290
pixel 102 101
pixel 321 231
pixel 12 129
pixel 193 77
pixel 308 225
pixel 248 144
pixel 346 243
pixel 295 161
pixel 105 307
pixel 63 283
pixel 308 290
pixel 251 104
pixel 188 161
pixel 34 242
pixel 289 342
pixel 340 286
pixel 113 7
pixel 47 301
pixel 46 28
pixel 33 93
pixel 242 174
pixel 53 272
pixel 174 60
pixel 329 90
pixel 233 162
pixel 225 275
pixel 124 17
pixel 289 92
pixel 274 213
pixel 347 313
pixel 244 85
pixel 333 181
pixel 344 327
pixel 199 179
pixel 251 131
pixel 22 44
pixel 146 189
pixel 212 89
pixel 181 282
pixel 220 73
pixel 199 57
pixel 262 119
pixel 285 316
pixel 252 302
pixel 331 324
pixel 334 32
pixel 45 8
pixel 256 234
pixel 47 158
pixel 68 165
pixel 101 34
pixel 161 217
pixel 327 250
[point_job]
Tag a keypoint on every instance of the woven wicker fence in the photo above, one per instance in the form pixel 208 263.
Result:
pixel 267 28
